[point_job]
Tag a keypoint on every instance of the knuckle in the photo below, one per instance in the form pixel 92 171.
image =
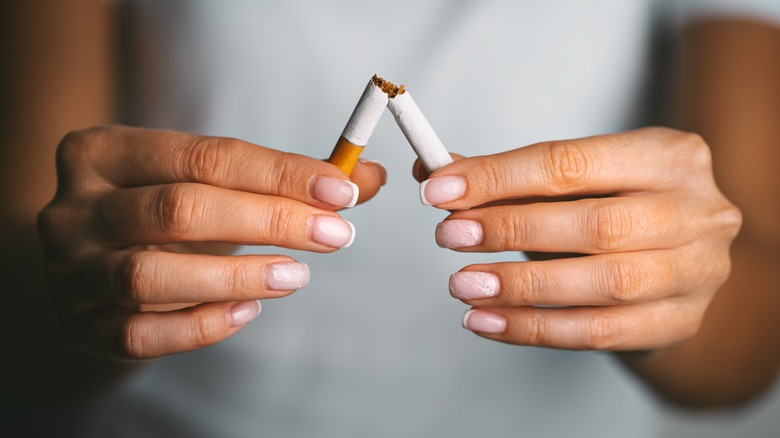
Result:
pixel 78 141
pixel 604 332
pixel 204 330
pixel 613 224
pixel 693 326
pixel 721 268
pixel 129 342
pixel 695 149
pixel 491 177
pixel 729 218
pixel 687 326
pixel 567 165
pixel 535 329
pixel 515 231
pixel 279 221
pixel 625 282
pixel 285 171
pixel 529 285
pixel 243 277
pixel 206 158
pixel 137 275
pixel 78 146
pixel 70 146
pixel 177 209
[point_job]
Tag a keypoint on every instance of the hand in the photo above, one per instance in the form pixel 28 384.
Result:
pixel 129 200
pixel 640 211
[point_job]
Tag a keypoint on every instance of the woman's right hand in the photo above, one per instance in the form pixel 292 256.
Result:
pixel 132 205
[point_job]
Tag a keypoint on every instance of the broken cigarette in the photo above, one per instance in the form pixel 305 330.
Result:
pixel 379 94
pixel 360 126
pixel 418 131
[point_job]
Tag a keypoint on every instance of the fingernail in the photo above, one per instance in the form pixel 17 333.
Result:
pixel 285 276
pixel 332 231
pixel 443 189
pixel 468 285
pixel 243 312
pixel 483 322
pixel 335 191
pixel 459 233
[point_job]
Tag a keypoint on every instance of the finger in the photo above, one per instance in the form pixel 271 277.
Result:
pixel 600 280
pixel 131 157
pixel 588 226
pixel 196 212
pixel 652 159
pixel 618 328
pixel 159 277
pixel 370 176
pixel 125 334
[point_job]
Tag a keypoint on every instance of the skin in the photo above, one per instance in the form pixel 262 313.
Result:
pixel 126 194
pixel 642 206
pixel 641 232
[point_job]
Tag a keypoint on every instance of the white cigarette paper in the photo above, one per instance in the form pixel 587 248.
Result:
pixel 418 132
pixel 366 115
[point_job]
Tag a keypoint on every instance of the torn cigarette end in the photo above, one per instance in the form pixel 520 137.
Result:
pixel 388 87
pixel 419 133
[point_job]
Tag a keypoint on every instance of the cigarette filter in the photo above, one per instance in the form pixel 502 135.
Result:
pixel 360 126
pixel 418 131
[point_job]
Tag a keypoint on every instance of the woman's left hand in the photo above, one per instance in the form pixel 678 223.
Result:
pixel 640 211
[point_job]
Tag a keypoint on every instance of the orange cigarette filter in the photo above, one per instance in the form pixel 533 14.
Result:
pixel 345 155
pixel 361 124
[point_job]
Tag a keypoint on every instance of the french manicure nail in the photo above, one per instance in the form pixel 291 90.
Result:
pixel 243 312
pixel 443 189
pixel 467 285
pixel 335 191
pixel 459 233
pixel 331 231
pixel 483 322
pixel 285 276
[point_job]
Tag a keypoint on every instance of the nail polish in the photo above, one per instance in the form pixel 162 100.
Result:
pixel 243 312
pixel 285 276
pixel 469 285
pixel 483 322
pixel 443 189
pixel 331 231
pixel 335 191
pixel 459 233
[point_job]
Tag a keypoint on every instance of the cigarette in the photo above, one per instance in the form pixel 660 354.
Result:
pixel 418 131
pixel 361 124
